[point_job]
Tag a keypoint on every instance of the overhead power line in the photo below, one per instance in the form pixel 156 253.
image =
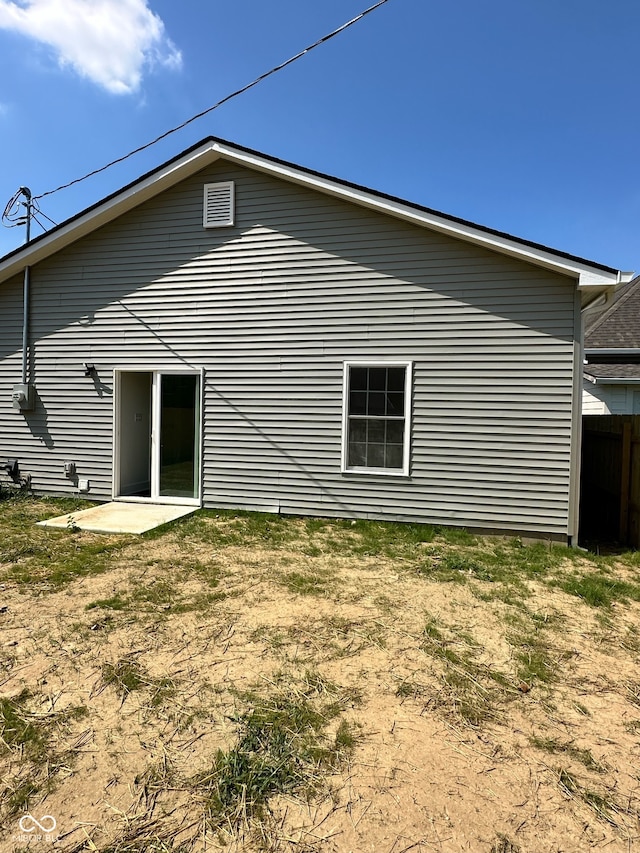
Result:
pixel 13 215
pixel 21 208
pixel 221 102
pixel 37 209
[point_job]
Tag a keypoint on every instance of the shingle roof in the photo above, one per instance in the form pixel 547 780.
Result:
pixel 613 371
pixel 619 326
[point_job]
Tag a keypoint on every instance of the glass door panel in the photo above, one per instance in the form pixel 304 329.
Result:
pixel 179 474
pixel 134 434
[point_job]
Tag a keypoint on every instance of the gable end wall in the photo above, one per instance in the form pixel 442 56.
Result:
pixel 270 309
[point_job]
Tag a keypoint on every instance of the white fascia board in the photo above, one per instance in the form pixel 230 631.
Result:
pixel 615 351
pixel 109 210
pixel 586 275
pixel 615 380
pixel 600 278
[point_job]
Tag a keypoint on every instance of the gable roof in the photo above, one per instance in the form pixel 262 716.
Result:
pixel 619 326
pixel 588 274
pixel 624 373
pixel 612 339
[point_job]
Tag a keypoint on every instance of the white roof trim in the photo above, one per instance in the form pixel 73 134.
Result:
pixel 611 351
pixel 110 209
pixel 586 275
pixel 612 380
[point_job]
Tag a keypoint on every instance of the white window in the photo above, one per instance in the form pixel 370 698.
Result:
pixel 376 417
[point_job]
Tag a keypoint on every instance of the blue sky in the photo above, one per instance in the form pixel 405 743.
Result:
pixel 521 116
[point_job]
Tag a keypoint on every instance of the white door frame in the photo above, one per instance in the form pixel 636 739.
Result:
pixel 156 374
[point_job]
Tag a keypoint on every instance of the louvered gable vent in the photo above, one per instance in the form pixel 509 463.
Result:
pixel 218 204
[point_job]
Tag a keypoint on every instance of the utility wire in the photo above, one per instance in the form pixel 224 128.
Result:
pixel 221 102
pixel 33 216
pixel 12 217
pixel 36 206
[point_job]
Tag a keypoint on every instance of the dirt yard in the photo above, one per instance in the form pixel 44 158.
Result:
pixel 247 683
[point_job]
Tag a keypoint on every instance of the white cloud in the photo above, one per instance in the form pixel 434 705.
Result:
pixel 110 42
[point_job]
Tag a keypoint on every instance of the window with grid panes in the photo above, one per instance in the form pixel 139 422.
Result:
pixel 376 417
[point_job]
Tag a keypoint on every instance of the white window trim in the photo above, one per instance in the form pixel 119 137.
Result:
pixel 406 457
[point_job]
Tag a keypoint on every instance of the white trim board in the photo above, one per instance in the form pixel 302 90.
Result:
pixel 587 275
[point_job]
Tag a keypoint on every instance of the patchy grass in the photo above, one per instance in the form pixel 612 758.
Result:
pixel 19 730
pixel 127 675
pixel 44 558
pixel 308 583
pixel 115 602
pixel 473 691
pixel 53 563
pixel 534 659
pixel 281 748
pixel 228 529
pixel 161 594
pixel 599 589
pixel 30 741
pixel 605 807
pixel 557 747
pixel 251 682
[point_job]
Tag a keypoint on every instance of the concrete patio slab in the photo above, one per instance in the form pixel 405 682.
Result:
pixel 120 517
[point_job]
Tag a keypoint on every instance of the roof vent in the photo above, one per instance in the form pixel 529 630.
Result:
pixel 218 204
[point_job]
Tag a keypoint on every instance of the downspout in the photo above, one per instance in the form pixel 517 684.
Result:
pixel 25 321
pixel 601 301
pixel 23 394
pixel 26 291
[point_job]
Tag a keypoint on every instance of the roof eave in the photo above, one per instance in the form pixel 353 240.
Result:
pixel 109 209
pixel 613 380
pixel 589 277
pixel 611 351
pixel 589 281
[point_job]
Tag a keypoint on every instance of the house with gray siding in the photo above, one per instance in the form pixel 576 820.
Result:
pixel 612 355
pixel 235 331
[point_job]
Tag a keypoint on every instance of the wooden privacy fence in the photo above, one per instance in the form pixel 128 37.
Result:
pixel 610 487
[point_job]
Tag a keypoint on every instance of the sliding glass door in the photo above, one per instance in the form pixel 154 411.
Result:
pixel 179 451
pixel 157 436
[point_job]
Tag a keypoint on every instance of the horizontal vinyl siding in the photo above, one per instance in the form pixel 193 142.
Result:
pixel 615 399
pixel 271 308
pixel 15 441
pixel 594 399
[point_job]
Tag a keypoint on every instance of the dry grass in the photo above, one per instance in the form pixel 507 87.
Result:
pixel 258 683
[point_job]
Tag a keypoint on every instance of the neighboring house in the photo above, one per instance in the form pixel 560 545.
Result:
pixel 235 331
pixel 612 356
